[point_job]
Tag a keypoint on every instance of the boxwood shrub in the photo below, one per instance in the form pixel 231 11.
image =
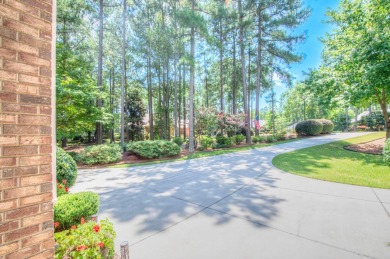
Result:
pixel 223 142
pixel 328 126
pixel 179 141
pixel 66 168
pixel 70 208
pixel 153 149
pixel 100 154
pixel 386 152
pixel 309 128
pixel 238 139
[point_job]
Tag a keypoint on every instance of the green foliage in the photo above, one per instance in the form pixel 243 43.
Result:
pixel 201 148
pixel 179 141
pixel 206 141
pixel 223 142
pixel 270 139
pixel 70 208
pixel 88 240
pixel 279 136
pixel 309 128
pixel 238 139
pixel 374 121
pixel 386 152
pixel 62 188
pixel 328 126
pixel 101 154
pixel 135 111
pixel 153 149
pixel 66 168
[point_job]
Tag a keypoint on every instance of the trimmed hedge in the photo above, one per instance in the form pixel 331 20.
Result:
pixel 100 154
pixel 309 128
pixel 386 152
pixel 70 208
pixel 153 149
pixel 66 168
pixel 328 126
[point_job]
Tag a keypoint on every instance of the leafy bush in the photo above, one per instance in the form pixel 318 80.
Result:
pixel 153 149
pixel 270 139
pixel 238 139
pixel 206 142
pixel 223 141
pixel 280 136
pixel 179 141
pixel 328 126
pixel 87 240
pixel 309 128
pixel 101 154
pixel 201 148
pixel 386 152
pixel 66 168
pixel 69 209
pixel 255 139
pixel 75 156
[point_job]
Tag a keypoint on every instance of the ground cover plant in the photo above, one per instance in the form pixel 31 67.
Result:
pixel 331 162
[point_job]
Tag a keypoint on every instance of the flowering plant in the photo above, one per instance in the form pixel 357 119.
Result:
pixel 62 188
pixel 86 240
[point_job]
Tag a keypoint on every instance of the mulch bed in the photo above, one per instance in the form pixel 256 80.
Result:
pixel 373 147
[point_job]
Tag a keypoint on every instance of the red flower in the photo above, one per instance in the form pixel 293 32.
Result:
pixel 82 220
pixel 56 224
pixel 101 244
pixel 80 248
pixel 60 186
pixel 74 227
pixel 66 189
pixel 96 228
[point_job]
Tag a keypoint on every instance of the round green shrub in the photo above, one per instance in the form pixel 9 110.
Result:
pixel 100 154
pixel 66 168
pixel 309 128
pixel 70 208
pixel 179 141
pixel 153 149
pixel 206 141
pixel 328 126
pixel 223 142
pixel 386 152
pixel 238 139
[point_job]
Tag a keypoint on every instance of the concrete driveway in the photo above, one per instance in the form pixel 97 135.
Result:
pixel 240 206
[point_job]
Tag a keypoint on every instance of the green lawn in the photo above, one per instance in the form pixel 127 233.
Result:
pixel 331 162
pixel 204 154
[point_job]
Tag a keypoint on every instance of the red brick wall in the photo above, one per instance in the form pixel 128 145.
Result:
pixel 26 209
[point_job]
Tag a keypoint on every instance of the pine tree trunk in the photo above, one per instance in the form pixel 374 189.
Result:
pixel 175 101
pixel 244 85
pixel 123 73
pixel 184 103
pixel 221 65
pixel 192 82
pixel 99 126
pixel 259 68
pixel 234 95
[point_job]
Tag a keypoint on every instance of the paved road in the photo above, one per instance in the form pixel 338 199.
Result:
pixel 240 206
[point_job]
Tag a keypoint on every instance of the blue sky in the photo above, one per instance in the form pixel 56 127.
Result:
pixel 315 27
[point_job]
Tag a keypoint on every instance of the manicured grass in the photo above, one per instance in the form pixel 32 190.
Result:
pixel 205 154
pixel 331 162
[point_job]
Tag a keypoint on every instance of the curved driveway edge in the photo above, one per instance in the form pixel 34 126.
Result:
pixel 239 205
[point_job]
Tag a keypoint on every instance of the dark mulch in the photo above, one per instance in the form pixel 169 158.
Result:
pixel 373 147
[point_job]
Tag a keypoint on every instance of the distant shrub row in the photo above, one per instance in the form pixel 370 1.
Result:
pixel 153 149
pixel 314 127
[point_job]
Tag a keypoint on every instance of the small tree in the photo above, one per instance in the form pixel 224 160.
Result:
pixel 135 111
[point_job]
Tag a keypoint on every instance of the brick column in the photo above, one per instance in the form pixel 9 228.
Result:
pixel 26 128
